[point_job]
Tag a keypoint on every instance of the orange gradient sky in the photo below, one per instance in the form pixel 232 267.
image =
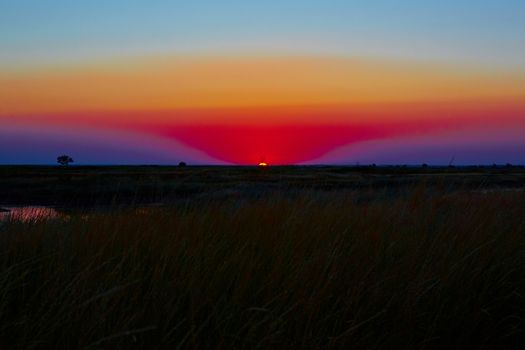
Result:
pixel 282 109
pixel 235 81
pixel 231 82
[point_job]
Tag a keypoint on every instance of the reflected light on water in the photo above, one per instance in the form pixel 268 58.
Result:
pixel 27 214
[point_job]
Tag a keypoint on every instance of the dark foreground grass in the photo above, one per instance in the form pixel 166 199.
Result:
pixel 314 271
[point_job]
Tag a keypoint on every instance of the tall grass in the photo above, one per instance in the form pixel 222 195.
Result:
pixel 312 271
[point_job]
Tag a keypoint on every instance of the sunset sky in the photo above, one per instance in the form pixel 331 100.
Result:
pixel 285 82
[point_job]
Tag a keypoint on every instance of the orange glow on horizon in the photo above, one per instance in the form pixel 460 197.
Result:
pixel 291 109
pixel 288 135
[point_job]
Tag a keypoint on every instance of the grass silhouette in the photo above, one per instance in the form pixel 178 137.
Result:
pixel 315 270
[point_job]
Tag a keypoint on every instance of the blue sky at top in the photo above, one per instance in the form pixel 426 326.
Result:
pixel 483 31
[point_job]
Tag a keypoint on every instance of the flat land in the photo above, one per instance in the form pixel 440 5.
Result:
pixel 277 258
pixel 134 185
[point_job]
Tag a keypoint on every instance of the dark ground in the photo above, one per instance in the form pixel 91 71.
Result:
pixel 87 186
pixel 276 258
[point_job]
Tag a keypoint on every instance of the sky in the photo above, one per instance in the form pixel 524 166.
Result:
pixel 240 82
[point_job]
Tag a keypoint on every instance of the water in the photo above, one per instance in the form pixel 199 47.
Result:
pixel 28 213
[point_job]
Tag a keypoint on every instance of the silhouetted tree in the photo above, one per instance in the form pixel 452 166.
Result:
pixel 64 159
pixel 182 164
pixel 425 165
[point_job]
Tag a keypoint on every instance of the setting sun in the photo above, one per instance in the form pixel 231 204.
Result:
pixel 271 173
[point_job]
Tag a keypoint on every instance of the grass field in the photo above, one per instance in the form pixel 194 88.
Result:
pixel 437 260
pixel 88 186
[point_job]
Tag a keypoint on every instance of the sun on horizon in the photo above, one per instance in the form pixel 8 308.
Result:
pixel 302 82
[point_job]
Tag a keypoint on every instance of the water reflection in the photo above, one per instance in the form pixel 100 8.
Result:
pixel 27 214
